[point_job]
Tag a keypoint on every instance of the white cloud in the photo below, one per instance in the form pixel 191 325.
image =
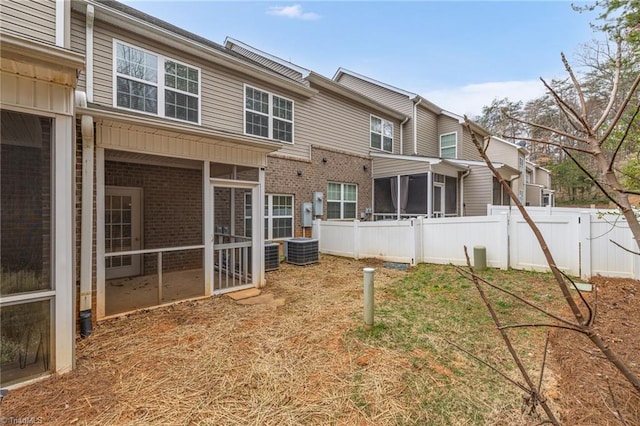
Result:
pixel 293 12
pixel 471 98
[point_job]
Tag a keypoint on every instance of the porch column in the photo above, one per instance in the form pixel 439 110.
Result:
pixel 258 237
pixel 207 236
pixel 398 198
pixel 429 194
pixel 100 250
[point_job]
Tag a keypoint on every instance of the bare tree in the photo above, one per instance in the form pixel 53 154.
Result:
pixel 599 130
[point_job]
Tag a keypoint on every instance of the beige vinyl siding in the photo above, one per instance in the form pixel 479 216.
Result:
pixel 478 188
pixel 469 150
pixel 385 167
pixel 447 125
pixel 34 19
pixel 333 122
pixel 503 153
pixel 222 91
pixel 78 43
pixel 534 195
pixel 428 138
pixel 387 97
pixel 275 66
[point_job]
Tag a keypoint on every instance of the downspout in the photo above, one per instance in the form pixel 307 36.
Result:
pixel 402 134
pixel 415 127
pixel 462 176
pixel 88 150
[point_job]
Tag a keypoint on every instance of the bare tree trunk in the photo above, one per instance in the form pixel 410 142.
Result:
pixel 586 326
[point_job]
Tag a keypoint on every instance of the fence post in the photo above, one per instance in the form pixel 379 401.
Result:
pixel 356 239
pixel 315 230
pixel 418 244
pixel 505 239
pixel 584 244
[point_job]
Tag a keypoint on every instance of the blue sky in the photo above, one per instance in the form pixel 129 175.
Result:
pixel 458 54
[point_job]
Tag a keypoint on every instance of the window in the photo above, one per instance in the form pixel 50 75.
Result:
pixel 521 166
pixel 381 134
pixel 267 115
pixel 278 216
pixel 341 201
pixel 154 84
pixel 448 145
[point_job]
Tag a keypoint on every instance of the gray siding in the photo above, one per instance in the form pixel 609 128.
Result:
pixel 478 188
pixel 392 99
pixel 449 125
pixel 428 139
pixel 385 167
pixel 469 150
pixel 503 153
pixel 534 196
pixel 275 66
pixel 333 122
pixel 78 43
pixel 34 19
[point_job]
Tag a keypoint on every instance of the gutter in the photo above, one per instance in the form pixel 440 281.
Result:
pixel 462 176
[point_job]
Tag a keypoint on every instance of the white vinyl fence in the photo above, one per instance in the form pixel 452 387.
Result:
pixel 578 240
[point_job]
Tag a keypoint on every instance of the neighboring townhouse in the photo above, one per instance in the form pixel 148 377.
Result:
pixel 538 186
pixel 330 154
pixel 439 169
pixel 38 76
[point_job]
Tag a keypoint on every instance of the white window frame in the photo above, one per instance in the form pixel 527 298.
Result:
pixel 159 84
pixel 342 201
pixel 270 115
pixel 269 215
pixel 455 146
pixel 371 133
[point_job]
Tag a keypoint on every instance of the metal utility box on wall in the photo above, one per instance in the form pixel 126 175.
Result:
pixel 306 216
pixel 318 199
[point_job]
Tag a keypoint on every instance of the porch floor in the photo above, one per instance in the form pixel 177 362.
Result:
pixel 131 293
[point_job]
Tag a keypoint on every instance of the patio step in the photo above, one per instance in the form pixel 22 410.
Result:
pixel 244 294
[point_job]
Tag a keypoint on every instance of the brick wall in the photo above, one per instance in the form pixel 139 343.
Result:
pixel 172 210
pixel 282 178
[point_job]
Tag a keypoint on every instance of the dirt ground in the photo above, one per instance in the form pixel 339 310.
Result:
pixel 592 392
pixel 215 361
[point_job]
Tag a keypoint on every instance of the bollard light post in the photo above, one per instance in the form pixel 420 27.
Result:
pixel 368 298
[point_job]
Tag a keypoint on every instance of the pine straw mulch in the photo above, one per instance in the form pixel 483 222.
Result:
pixel 216 362
pixel 592 391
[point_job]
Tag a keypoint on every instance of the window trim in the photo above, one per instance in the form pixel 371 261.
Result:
pixel 270 114
pixel 342 201
pixel 160 86
pixel 269 217
pixel 455 147
pixel 371 117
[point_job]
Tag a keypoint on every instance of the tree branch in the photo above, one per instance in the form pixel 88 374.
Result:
pixel 515 296
pixel 626 133
pixel 614 89
pixel 586 172
pixel 578 88
pixel 559 145
pixel 541 325
pixel 552 130
pixel 621 110
pixel 625 249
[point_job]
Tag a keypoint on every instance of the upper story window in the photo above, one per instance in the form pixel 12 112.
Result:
pixel 381 134
pixel 521 163
pixel 268 115
pixel 449 145
pixel 154 84
pixel 529 178
pixel 342 199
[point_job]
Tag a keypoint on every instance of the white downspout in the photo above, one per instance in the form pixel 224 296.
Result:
pixel 88 166
pixel 462 176
pixel 415 127
pixel 402 134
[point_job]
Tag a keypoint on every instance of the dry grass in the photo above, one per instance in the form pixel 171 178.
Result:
pixel 216 362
